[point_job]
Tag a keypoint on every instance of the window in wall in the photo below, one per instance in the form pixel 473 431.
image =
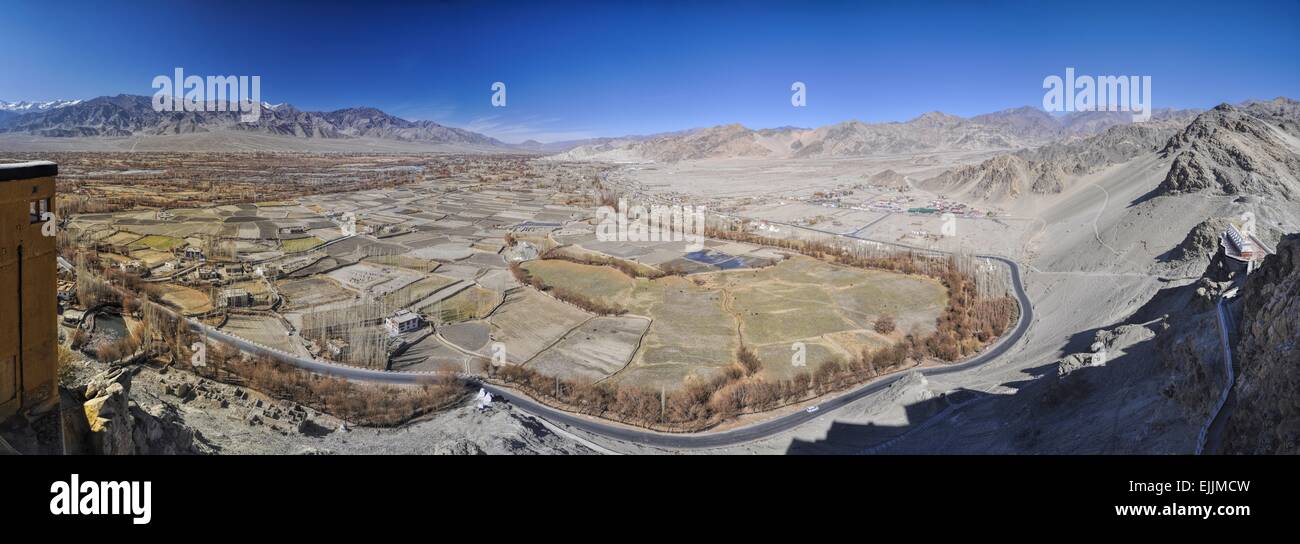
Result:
pixel 36 209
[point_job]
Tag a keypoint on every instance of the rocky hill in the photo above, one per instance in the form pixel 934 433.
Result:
pixel 1266 418
pixel 1049 169
pixel 1281 111
pixel 1234 151
pixel 887 178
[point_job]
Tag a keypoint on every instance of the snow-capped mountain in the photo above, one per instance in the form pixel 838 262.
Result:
pixel 24 106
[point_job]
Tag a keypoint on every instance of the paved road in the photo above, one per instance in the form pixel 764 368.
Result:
pixel 732 437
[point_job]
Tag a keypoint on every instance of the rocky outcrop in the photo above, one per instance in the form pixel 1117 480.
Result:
pixel 1189 346
pixel 1189 350
pixel 1199 246
pixel 1228 151
pixel 1266 418
pixel 99 418
pixel 107 410
pixel 159 430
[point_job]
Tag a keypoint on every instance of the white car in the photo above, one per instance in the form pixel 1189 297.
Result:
pixel 812 409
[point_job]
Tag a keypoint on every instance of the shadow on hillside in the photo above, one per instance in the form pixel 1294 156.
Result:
pixel 1119 407
pixel 851 438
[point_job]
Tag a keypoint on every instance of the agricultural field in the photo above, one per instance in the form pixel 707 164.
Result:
pixel 158 242
pixel 698 322
pixel 151 257
pixel 462 301
pixel 297 245
pixel 121 238
pixel 418 290
pixel 594 351
pixel 191 301
pixel 431 355
pixel 441 249
pixel 373 279
pixel 265 330
pixel 602 283
pixel 314 291
pixel 530 321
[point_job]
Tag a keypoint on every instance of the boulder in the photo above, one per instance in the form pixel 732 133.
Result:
pixel 108 418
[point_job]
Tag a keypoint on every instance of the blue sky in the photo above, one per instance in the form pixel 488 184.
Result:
pixel 576 70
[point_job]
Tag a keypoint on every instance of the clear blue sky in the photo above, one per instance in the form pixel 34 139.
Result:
pixel 612 68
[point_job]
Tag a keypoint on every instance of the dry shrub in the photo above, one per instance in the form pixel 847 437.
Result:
pixel 885 324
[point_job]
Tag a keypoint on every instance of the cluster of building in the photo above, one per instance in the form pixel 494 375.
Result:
pixel 894 204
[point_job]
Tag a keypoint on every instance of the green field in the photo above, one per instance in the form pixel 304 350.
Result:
pixel 601 283
pixel 300 244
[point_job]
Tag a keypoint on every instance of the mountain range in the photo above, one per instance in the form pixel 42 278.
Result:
pixel 1244 149
pixel 930 132
pixel 1041 148
pixel 131 115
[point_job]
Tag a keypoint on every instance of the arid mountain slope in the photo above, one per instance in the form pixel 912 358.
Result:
pixel 1266 418
pixel 930 132
pixel 1049 169
pixel 1233 151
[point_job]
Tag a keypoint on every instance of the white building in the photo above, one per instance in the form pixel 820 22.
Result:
pixel 402 322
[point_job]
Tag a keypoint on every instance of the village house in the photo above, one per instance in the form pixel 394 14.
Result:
pixel 236 297
pixel 402 322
